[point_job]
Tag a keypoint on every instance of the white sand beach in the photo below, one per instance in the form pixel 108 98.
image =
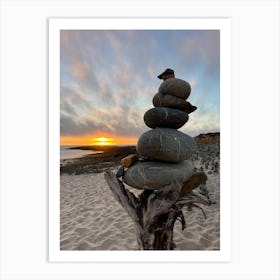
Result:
pixel 91 219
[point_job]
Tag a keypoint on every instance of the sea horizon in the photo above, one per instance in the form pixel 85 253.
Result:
pixel 67 153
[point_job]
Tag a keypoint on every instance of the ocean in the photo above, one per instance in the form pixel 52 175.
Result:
pixel 66 153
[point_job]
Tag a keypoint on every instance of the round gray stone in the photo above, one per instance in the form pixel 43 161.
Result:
pixel 165 117
pixel 166 144
pixel 176 87
pixel 167 100
pixel 153 175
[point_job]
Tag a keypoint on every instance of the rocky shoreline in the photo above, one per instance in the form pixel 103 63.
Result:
pixel 208 150
pixel 96 163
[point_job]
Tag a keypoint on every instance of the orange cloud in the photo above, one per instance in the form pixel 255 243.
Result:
pixel 80 69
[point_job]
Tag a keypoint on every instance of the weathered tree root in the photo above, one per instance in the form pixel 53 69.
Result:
pixel 155 212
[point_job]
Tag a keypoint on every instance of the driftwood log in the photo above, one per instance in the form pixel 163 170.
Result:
pixel 155 212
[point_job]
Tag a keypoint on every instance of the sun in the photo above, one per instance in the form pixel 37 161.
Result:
pixel 102 141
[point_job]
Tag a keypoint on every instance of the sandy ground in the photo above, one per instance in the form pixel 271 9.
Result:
pixel 91 219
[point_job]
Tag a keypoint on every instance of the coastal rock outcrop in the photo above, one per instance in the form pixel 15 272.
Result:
pixel 211 137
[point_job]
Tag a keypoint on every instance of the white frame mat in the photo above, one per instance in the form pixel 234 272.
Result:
pixel 222 24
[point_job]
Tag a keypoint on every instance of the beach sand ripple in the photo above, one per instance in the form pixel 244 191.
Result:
pixel 91 218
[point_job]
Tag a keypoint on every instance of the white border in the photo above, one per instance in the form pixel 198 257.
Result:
pixel 222 24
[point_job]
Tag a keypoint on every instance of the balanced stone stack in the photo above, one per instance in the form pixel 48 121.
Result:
pixel 164 151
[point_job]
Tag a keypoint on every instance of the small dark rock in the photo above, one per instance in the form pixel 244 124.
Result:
pixel 120 172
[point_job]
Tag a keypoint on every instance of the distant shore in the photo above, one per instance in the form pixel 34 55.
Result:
pixel 101 148
pixel 96 163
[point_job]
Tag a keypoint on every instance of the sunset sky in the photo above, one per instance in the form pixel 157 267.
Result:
pixel 108 80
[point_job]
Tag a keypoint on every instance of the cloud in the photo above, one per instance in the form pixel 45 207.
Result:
pixel 81 70
pixel 115 122
pixel 108 78
pixel 73 100
pixel 70 126
pixel 205 119
pixel 87 84
pixel 200 52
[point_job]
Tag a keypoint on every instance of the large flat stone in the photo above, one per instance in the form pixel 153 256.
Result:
pixel 165 117
pixel 176 87
pixel 154 175
pixel 166 144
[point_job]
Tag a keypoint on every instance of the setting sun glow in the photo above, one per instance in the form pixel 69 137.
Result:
pixel 102 141
pixel 97 139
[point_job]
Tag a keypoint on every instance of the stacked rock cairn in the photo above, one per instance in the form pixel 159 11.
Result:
pixel 162 168
pixel 164 153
